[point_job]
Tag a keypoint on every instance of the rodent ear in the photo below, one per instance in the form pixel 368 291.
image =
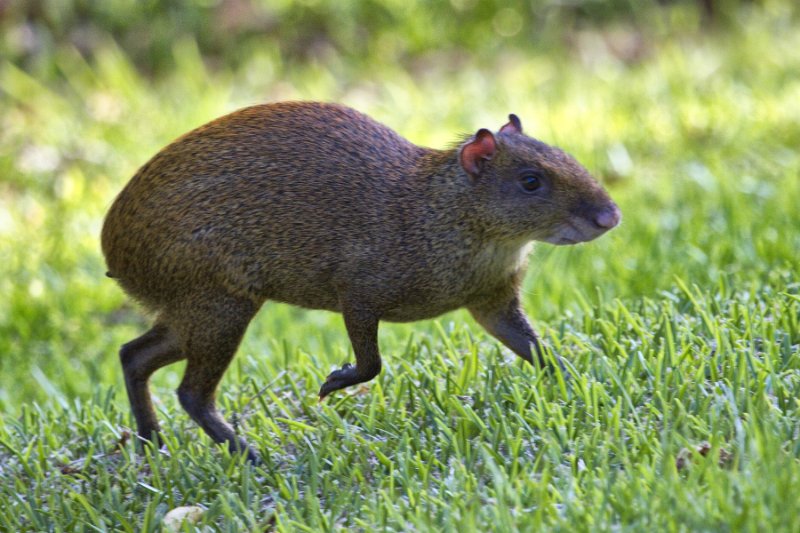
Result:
pixel 513 126
pixel 477 151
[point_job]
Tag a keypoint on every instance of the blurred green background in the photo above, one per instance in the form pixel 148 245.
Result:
pixel 369 32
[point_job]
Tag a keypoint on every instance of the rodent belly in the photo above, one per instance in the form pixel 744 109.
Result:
pixel 413 311
pixel 284 285
pixel 305 294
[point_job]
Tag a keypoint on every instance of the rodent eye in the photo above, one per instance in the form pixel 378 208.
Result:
pixel 530 182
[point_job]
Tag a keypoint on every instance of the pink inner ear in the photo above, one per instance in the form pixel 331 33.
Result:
pixel 514 125
pixel 481 149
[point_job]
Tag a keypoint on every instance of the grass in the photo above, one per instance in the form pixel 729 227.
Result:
pixel 681 327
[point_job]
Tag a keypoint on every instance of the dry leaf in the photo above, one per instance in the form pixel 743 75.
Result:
pixel 124 437
pixel 174 519
pixel 725 457
pixel 69 470
pixel 685 456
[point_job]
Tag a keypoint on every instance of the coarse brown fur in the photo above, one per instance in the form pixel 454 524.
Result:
pixel 319 206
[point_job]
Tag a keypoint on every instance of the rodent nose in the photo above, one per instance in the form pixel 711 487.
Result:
pixel 608 218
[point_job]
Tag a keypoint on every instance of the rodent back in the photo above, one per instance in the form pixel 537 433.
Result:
pixel 259 189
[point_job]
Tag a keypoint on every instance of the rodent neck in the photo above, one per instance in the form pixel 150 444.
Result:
pixel 439 166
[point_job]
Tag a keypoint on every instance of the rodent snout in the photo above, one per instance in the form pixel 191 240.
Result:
pixel 608 217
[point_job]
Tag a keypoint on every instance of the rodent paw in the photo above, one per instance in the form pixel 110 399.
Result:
pixel 339 379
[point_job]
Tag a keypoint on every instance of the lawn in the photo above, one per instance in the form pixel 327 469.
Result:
pixel 680 329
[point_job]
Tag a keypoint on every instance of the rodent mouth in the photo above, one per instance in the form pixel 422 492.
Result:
pixel 574 232
pixel 565 241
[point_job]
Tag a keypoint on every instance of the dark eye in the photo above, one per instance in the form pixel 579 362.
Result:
pixel 530 182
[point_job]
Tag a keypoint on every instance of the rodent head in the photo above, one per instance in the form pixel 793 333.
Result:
pixel 531 191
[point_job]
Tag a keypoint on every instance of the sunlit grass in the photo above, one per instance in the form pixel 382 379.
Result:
pixel 681 326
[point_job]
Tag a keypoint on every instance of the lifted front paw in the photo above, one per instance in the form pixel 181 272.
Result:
pixel 339 379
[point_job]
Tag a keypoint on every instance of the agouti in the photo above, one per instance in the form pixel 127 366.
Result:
pixel 320 206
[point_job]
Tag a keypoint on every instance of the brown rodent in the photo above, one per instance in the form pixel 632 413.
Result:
pixel 319 206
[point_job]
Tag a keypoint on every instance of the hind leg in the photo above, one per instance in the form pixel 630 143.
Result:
pixel 140 358
pixel 212 335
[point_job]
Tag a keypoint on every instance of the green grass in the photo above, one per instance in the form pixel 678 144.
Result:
pixel 679 327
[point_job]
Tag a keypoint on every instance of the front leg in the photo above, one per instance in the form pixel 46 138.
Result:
pixel 507 322
pixel 362 327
